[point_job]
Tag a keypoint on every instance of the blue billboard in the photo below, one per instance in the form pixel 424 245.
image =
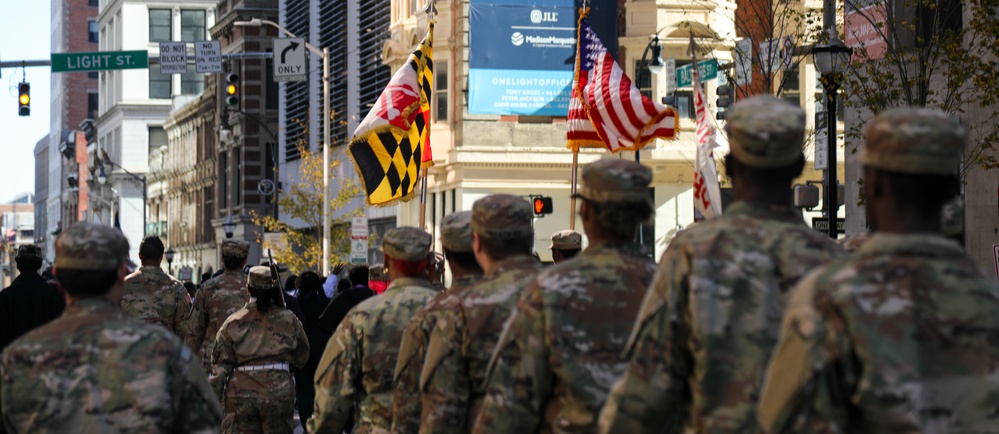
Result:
pixel 521 56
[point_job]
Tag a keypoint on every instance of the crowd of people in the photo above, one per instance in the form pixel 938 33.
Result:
pixel 749 322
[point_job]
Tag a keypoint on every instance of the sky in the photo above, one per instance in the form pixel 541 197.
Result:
pixel 24 35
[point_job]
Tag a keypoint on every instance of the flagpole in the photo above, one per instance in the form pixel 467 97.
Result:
pixel 430 10
pixel 572 189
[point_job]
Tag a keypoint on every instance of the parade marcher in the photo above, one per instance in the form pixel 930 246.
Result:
pixel 95 369
pixel 252 357
pixel 152 295
pixel 901 336
pixel 30 300
pixel 565 245
pixel 710 319
pixel 313 300
pixel 355 373
pixel 456 237
pixel 217 299
pixel 557 360
pixel 457 355
pixel 343 302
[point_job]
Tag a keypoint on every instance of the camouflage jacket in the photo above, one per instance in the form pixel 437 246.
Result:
pixel 406 406
pixel 562 351
pixel 152 295
pixel 250 337
pixel 900 338
pixel 356 370
pixel 710 320
pixel 97 370
pixel 215 301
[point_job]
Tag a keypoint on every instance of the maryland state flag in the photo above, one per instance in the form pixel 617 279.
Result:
pixel 392 143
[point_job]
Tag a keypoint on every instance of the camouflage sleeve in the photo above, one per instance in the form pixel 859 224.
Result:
pixel 444 380
pixel 182 307
pixel 406 405
pixel 804 388
pixel 519 377
pixel 197 323
pixel 223 360
pixel 337 378
pixel 658 357
pixel 197 408
pixel 300 355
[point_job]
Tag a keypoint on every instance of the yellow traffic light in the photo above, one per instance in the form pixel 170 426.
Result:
pixel 231 89
pixel 25 99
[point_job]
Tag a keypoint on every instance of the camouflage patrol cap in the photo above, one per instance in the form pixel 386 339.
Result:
pixel 377 273
pixel 235 248
pixel 26 251
pixel 502 216
pixel 260 278
pixel 615 180
pixel 914 140
pixel 86 246
pixel 566 240
pixel 407 243
pixel 456 232
pixel 766 132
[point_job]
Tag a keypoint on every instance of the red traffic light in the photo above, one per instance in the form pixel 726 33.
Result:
pixel 542 205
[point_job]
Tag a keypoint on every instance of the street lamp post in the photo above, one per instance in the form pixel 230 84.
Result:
pixel 325 55
pixel 831 61
pixel 102 179
pixel 169 254
pixel 228 227
pixel 655 65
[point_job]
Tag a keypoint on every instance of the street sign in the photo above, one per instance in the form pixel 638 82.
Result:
pixel 358 240
pixel 208 57
pixel 744 62
pixel 186 273
pixel 100 61
pixel 821 148
pixel 670 70
pixel 265 187
pixel 707 70
pixel 289 59
pixel 821 224
pixel 769 56
pixel 173 58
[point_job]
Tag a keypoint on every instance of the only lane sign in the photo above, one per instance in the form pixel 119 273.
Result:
pixel 289 59
pixel 100 61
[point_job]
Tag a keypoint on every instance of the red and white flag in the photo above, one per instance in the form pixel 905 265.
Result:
pixel 707 192
pixel 606 109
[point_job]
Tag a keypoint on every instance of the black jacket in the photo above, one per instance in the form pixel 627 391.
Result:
pixel 26 304
pixel 341 304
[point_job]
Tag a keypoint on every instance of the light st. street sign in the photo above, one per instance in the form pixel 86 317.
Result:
pixel 208 57
pixel 708 69
pixel 173 58
pixel 100 61
pixel 289 59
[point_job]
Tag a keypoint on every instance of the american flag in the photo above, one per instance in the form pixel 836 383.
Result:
pixel 606 109
pixel 707 192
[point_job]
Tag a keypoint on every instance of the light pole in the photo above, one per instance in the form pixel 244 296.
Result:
pixel 655 66
pixel 102 179
pixel 169 254
pixel 325 55
pixel 228 227
pixel 831 61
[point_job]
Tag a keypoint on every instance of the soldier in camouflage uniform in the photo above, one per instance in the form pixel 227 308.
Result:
pixel 454 369
pixel 561 352
pixel 710 319
pixel 251 358
pixel 218 298
pixel 96 370
pixel 152 295
pixel 456 237
pixel 903 335
pixel 355 373
pixel 565 245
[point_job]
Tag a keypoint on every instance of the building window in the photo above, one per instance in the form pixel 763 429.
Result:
pixel 92 105
pixel 791 86
pixel 93 31
pixel 237 175
pixel 643 73
pixel 157 138
pixel 440 91
pixel 159 84
pixel 159 25
pixel 92 3
pixel 192 25
pixel 92 75
pixel 192 83
pixel 414 6
pixel 223 182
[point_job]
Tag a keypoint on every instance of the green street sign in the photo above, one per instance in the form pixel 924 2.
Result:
pixel 708 69
pixel 100 61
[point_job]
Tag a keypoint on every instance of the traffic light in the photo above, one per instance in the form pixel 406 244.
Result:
pixel 542 205
pixel 724 100
pixel 669 100
pixel 24 99
pixel 232 89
